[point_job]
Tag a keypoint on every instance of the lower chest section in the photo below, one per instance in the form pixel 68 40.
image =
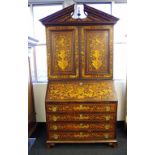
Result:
pixel 81 121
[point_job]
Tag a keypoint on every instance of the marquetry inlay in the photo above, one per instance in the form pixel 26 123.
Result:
pixel 62 52
pixel 96 52
pixel 75 91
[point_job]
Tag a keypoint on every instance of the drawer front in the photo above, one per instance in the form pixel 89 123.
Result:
pixel 56 136
pixel 81 117
pixel 81 126
pixel 81 107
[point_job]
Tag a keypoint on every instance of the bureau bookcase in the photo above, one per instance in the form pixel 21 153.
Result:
pixel 81 103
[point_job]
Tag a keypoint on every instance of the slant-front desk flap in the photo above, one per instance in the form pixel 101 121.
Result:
pixel 81 91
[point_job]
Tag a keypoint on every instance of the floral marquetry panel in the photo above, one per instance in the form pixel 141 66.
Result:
pixel 96 52
pixel 62 52
pixel 81 91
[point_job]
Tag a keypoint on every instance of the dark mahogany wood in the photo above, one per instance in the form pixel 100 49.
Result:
pixel 94 17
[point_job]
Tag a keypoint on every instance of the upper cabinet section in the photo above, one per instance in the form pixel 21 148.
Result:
pixel 79 48
pixel 94 17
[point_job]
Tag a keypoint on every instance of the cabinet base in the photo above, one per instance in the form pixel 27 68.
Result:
pixel 112 143
pixel 50 145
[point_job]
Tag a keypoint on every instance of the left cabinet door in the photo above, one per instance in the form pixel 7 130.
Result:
pixel 62 52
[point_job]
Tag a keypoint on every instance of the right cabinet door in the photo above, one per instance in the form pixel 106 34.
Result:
pixel 96 52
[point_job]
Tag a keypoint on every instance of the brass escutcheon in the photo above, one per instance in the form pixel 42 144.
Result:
pixel 54 127
pixel 84 126
pixel 81 134
pixel 54 118
pixel 82 53
pixel 81 116
pixel 55 136
pixel 54 109
pixel 81 106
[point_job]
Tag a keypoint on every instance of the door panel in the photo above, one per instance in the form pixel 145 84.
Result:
pixel 62 52
pixel 96 52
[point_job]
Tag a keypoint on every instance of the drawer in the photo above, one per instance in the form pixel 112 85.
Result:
pixel 70 107
pixel 99 117
pixel 81 126
pixel 56 136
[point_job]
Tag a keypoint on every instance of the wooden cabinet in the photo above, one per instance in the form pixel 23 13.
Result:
pixel 81 103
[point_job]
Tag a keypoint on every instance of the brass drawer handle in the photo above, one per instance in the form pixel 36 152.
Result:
pixel 55 127
pixel 54 109
pixel 106 136
pixel 82 53
pixel 107 126
pixel 54 118
pixel 55 136
pixel 107 108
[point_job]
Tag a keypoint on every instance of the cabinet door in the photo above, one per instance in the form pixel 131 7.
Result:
pixel 96 52
pixel 62 52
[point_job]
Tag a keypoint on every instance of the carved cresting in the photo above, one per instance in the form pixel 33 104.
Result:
pixel 75 91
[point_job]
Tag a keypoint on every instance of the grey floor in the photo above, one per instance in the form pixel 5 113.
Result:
pixel 39 146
